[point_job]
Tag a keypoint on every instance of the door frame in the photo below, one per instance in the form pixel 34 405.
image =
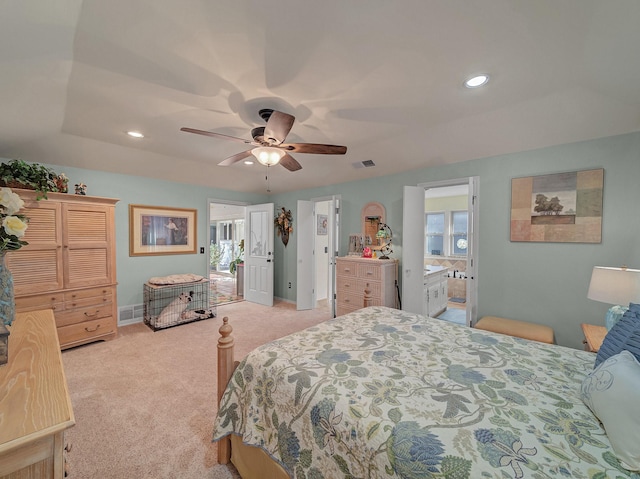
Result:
pixel 211 201
pixel 473 207
pixel 333 228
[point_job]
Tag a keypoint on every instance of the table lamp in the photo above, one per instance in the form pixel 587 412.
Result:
pixel 618 286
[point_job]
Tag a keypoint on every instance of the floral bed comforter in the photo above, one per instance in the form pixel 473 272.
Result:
pixel 381 393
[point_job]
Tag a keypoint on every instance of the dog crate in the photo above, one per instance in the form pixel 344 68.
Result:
pixel 170 305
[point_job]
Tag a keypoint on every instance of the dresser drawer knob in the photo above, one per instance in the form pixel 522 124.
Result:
pixel 92 330
pixel 92 315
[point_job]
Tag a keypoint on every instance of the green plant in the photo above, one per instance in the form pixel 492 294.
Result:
pixel 20 174
pixel 215 255
pixel 239 259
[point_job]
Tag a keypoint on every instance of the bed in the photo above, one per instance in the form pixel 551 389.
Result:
pixel 382 393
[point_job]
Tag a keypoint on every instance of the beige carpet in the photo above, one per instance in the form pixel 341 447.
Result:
pixel 145 402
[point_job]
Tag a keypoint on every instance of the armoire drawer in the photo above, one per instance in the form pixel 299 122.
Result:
pixel 86 313
pixel 41 301
pixel 86 331
pixel 87 297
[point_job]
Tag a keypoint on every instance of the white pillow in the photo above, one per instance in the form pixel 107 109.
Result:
pixel 612 392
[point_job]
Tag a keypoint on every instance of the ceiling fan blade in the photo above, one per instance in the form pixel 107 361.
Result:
pixel 290 163
pixel 316 148
pixel 235 158
pixel 278 127
pixel 216 135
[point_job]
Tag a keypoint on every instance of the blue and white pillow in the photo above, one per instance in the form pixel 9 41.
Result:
pixel 612 392
pixel 624 335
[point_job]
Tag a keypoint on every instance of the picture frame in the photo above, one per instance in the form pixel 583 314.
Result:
pixel 322 224
pixel 162 230
pixel 558 208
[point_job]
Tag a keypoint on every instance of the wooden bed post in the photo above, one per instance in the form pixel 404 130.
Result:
pixel 225 370
pixel 367 296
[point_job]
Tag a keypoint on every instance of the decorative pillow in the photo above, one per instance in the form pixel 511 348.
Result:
pixel 622 336
pixel 612 392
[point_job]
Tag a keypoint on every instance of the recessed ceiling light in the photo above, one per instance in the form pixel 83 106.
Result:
pixel 248 162
pixel 135 134
pixel 477 81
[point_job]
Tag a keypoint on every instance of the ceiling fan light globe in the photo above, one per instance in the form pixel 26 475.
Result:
pixel 268 156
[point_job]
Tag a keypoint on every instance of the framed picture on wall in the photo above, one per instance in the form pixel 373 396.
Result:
pixel 559 208
pixel 322 224
pixel 159 230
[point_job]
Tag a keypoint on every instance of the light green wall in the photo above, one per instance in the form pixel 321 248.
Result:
pixel 540 282
pixel 133 272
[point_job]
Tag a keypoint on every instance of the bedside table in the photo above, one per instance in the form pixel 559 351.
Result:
pixel 593 336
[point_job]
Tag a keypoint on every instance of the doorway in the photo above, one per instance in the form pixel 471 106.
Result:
pixel 440 229
pixel 226 252
pixel 318 245
pixel 446 244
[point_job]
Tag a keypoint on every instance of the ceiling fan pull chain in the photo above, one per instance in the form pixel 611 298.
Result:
pixel 267 178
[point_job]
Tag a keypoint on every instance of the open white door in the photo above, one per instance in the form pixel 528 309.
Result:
pixel 472 251
pixel 258 254
pixel 334 245
pixel 304 267
pixel 413 249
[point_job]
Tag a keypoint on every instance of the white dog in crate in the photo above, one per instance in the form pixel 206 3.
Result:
pixel 174 311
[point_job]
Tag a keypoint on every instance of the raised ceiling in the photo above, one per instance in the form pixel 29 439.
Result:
pixel 383 78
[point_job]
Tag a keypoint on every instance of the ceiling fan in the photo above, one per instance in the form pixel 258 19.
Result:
pixel 270 148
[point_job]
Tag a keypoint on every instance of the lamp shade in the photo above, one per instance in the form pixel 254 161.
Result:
pixel 619 286
pixel 268 156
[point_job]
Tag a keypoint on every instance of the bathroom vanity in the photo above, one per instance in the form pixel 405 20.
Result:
pixel 435 290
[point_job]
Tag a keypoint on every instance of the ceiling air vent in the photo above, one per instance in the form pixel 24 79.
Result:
pixel 364 164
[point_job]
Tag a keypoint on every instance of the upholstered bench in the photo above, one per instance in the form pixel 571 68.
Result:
pixel 519 329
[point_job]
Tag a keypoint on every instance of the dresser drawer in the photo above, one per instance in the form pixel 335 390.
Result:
pixel 369 271
pixel 42 301
pixel 346 268
pixel 375 289
pixel 86 313
pixel 87 331
pixel 347 284
pixel 352 300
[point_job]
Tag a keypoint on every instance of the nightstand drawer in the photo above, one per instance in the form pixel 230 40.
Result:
pixel 593 336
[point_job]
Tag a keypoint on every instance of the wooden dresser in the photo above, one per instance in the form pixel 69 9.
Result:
pixel 69 265
pixel 353 273
pixel 35 408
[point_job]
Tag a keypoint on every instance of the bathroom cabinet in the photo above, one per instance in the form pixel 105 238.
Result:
pixel 435 290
